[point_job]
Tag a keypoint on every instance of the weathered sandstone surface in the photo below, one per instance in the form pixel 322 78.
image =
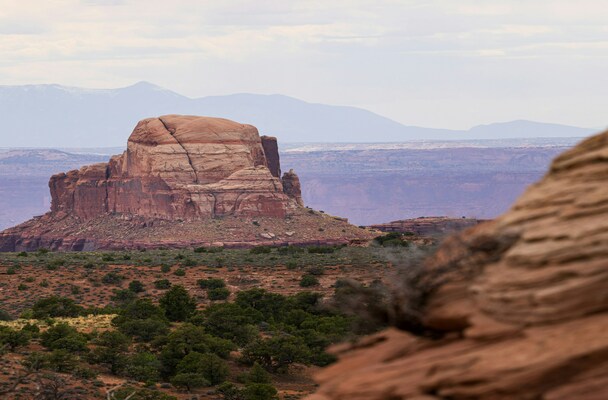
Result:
pixel 520 309
pixel 176 168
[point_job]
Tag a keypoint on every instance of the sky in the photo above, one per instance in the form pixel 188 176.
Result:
pixel 433 63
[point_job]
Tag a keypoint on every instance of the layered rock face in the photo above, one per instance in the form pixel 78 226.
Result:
pixel 520 305
pixel 181 167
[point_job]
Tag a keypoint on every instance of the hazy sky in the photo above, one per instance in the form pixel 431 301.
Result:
pixel 436 63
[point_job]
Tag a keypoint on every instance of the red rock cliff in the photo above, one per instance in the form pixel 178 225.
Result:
pixel 180 167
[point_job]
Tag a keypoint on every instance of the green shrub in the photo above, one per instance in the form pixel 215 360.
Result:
pixel 123 297
pixel 221 293
pixel 211 283
pixel 308 281
pixel 188 262
pixel 178 304
pixel 111 278
pixel 55 306
pixel 63 337
pixel 12 338
pixel 143 367
pixel 136 286
pixel 5 316
pixel 165 268
pixel 277 353
pixel 212 368
pixel 180 272
pixel 143 320
pixel 260 391
pixel 162 284
pixel 189 381
pixel 61 360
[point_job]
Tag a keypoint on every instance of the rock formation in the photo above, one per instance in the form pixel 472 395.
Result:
pixel 518 307
pixel 180 167
pixel 176 168
pixel 291 186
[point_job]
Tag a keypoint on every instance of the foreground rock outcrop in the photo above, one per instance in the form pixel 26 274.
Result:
pixel 176 169
pixel 517 308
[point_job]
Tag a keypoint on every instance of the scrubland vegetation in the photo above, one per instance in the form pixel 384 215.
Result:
pixel 180 328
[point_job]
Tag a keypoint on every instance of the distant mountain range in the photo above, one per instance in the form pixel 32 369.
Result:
pixel 60 116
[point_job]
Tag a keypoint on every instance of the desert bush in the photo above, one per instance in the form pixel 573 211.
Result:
pixel 212 368
pixel 144 367
pixel 308 281
pixel 110 349
pixel 56 306
pixel 276 354
pixel 189 381
pixel 218 293
pixel 122 297
pixel 61 360
pixel 63 337
pixel 5 316
pixel 260 391
pixel 12 338
pixel 188 262
pixel 111 278
pixel 142 320
pixel 136 286
pixel 162 284
pixel 178 304
pixel 186 339
pixel 211 283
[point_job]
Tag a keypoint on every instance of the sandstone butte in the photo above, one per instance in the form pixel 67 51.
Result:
pixel 183 181
pixel 520 309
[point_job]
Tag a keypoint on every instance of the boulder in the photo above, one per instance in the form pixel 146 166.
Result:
pixel 517 308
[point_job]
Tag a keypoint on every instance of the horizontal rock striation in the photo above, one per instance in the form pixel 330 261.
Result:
pixel 520 304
